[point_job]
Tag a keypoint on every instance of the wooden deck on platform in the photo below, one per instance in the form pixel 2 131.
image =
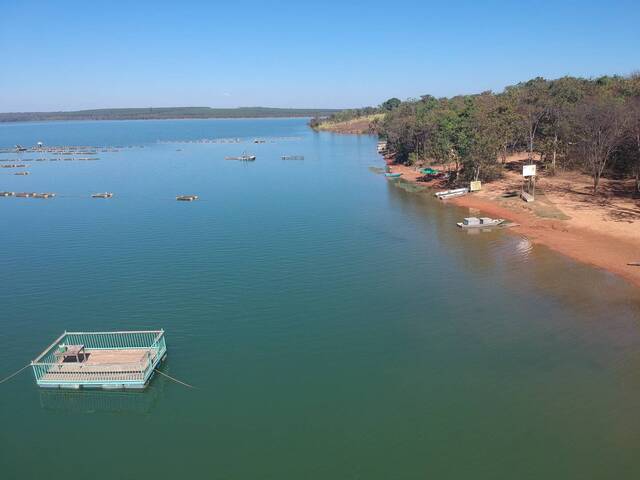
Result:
pixel 117 364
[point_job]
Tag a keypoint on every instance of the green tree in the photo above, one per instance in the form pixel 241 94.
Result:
pixel 391 104
pixel 564 94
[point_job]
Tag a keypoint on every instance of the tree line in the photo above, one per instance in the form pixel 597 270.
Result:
pixel 567 123
pixel 165 113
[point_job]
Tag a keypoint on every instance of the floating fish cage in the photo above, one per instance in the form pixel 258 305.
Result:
pixel 108 360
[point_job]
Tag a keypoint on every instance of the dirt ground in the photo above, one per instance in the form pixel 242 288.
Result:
pixel 602 230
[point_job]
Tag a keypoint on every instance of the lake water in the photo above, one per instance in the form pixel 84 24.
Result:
pixel 336 324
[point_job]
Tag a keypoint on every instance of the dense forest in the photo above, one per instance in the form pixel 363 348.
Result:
pixel 165 113
pixel 567 123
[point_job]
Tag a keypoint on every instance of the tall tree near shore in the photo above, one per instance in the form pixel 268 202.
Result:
pixel 485 137
pixel 397 127
pixel 532 107
pixel 506 124
pixel 633 117
pixel 564 93
pixel 598 128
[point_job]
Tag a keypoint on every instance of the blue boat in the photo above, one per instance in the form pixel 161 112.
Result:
pixel 393 175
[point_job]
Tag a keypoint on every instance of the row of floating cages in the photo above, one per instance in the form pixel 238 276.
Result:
pixel 109 360
pixel 48 194
pixel 28 194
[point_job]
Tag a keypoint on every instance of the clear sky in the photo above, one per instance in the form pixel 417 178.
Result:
pixel 66 55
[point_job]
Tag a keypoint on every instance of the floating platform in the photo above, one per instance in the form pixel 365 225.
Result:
pixel 186 198
pixel 104 360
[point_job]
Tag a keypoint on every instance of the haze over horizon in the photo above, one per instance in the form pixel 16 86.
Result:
pixel 70 55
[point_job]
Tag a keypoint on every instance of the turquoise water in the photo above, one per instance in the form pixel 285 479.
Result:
pixel 336 324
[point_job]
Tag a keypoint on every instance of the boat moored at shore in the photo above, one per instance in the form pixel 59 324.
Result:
pixel 482 222
pixel 456 192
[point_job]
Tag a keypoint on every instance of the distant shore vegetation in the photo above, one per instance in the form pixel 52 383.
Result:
pixel 166 113
pixel 566 123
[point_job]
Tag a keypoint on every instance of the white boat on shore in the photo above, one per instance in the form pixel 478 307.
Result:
pixel 456 192
pixel 482 222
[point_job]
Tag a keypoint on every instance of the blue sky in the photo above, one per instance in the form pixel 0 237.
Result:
pixel 66 55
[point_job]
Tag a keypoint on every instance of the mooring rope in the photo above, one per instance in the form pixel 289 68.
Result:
pixel 174 379
pixel 16 373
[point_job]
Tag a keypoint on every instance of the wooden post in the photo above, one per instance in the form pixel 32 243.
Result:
pixel 533 190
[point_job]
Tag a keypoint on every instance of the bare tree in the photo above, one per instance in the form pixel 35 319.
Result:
pixel 599 128
pixel 633 119
pixel 532 108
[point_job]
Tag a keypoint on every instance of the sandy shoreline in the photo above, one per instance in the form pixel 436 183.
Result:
pixel 603 233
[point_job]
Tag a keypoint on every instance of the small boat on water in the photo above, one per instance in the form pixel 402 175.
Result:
pixel 7 194
pixel 102 195
pixel 483 222
pixel 186 198
pixel 245 157
pixel 393 175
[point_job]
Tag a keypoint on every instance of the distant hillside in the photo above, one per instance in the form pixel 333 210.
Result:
pixel 365 124
pixel 166 113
